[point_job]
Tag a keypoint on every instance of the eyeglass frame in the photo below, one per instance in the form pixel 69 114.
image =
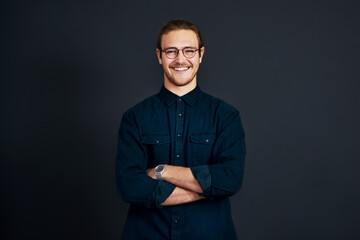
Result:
pixel 178 50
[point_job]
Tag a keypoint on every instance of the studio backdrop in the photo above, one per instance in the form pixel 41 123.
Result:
pixel 70 69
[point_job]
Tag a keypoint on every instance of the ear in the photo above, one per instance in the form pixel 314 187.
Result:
pixel 202 51
pixel 158 54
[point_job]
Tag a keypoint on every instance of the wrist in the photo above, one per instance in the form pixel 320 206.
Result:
pixel 159 171
pixel 168 173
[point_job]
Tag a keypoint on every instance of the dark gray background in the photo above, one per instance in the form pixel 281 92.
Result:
pixel 70 69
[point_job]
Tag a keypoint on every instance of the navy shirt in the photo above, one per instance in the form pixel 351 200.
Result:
pixel 196 131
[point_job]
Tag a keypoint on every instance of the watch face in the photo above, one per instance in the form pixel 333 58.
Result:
pixel 159 168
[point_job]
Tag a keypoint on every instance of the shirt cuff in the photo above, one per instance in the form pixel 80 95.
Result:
pixel 162 192
pixel 202 175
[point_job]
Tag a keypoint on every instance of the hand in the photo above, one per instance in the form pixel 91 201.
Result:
pixel 180 196
pixel 151 173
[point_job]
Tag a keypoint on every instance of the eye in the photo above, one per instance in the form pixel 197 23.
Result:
pixel 189 51
pixel 171 51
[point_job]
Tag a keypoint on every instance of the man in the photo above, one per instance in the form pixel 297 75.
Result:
pixel 180 152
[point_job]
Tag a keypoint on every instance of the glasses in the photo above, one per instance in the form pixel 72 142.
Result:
pixel 188 52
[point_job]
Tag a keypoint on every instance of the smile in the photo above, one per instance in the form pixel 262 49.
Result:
pixel 181 68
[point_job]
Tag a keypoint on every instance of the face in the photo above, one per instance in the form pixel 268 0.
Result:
pixel 180 71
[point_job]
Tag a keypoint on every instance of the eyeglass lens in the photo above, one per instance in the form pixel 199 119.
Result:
pixel 173 52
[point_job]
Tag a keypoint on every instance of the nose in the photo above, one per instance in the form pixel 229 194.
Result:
pixel 180 57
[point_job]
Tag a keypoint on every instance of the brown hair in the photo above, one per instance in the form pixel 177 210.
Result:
pixel 179 25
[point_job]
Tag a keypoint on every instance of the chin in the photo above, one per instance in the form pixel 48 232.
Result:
pixel 181 83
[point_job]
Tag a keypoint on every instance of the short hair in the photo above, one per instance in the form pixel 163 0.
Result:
pixel 179 24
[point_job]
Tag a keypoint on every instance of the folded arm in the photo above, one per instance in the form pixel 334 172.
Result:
pixel 181 185
pixel 224 177
pixel 179 176
pixel 181 196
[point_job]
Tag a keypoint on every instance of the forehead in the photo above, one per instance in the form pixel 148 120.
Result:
pixel 179 38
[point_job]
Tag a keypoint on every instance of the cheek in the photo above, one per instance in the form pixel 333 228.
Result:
pixel 168 63
pixel 196 64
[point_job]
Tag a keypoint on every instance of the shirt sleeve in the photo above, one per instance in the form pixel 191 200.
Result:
pixel 224 177
pixel 133 184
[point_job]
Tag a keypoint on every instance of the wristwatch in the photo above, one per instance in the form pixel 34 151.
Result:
pixel 159 171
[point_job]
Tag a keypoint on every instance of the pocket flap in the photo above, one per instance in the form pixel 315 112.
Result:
pixel 155 139
pixel 204 138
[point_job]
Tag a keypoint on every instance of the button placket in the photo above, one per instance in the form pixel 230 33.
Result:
pixel 179 128
pixel 179 161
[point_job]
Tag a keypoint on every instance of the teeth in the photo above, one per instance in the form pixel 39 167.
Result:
pixel 181 69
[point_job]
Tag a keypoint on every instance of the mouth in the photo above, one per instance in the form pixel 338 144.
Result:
pixel 180 69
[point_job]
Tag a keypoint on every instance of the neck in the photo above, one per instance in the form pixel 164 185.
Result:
pixel 180 90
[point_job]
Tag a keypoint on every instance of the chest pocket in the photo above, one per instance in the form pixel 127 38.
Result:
pixel 201 147
pixel 158 149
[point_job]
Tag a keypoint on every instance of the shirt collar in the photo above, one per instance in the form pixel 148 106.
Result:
pixel 190 98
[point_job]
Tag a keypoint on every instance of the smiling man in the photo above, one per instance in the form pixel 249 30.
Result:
pixel 180 70
pixel 180 152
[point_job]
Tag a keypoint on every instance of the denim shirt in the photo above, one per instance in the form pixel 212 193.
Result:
pixel 197 131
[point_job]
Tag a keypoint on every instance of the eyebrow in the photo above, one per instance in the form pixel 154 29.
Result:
pixel 178 48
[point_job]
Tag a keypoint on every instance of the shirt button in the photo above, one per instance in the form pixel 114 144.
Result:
pixel 157 141
pixel 207 140
pixel 178 156
pixel 179 99
pixel 179 135
pixel 176 221
pixel 180 114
